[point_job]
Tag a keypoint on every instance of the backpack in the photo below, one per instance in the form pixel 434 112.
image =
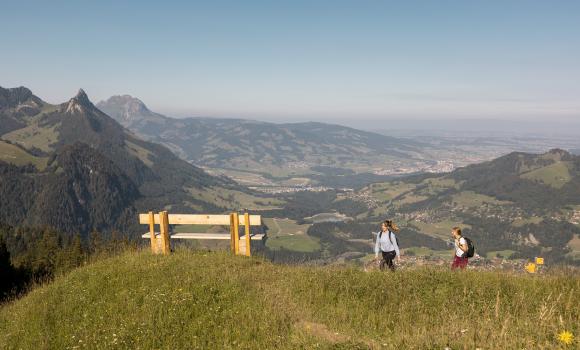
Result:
pixel 470 248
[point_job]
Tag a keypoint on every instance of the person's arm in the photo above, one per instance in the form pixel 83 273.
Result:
pixel 463 246
pixel 377 246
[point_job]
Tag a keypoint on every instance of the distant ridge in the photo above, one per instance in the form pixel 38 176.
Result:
pixel 258 146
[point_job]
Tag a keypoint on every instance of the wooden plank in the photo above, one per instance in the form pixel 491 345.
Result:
pixel 204 235
pixel 152 233
pixel 198 219
pixel 236 233
pixel 248 229
pixel 164 228
pixel 232 244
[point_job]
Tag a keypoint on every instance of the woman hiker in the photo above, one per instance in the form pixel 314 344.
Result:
pixel 461 248
pixel 387 244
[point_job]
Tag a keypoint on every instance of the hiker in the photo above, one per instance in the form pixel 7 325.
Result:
pixel 387 244
pixel 460 258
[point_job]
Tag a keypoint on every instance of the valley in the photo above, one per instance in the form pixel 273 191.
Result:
pixel 322 189
pixel 518 206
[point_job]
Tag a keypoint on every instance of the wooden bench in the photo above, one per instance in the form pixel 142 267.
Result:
pixel 160 240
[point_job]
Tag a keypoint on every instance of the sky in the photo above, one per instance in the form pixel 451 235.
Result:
pixel 352 61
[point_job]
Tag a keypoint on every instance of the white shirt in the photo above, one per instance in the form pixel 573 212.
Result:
pixel 386 244
pixel 458 250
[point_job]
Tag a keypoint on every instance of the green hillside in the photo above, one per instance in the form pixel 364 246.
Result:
pixel 74 168
pixel 199 300
pixel 525 204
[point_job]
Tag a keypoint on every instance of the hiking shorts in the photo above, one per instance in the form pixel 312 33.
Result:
pixel 459 262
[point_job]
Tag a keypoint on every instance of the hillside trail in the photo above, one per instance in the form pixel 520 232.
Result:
pixel 277 296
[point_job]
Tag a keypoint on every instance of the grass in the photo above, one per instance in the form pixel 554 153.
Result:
pixel 194 300
pixel 15 155
pixel 288 234
pixel 278 226
pixel 424 251
pixel 502 253
pixel 412 198
pixel 525 221
pixel 555 175
pixel 34 135
pixel 243 177
pixel 441 182
pixel 440 229
pixel 575 243
pixel 470 199
pixel 139 152
pixel 297 243
pixel 234 199
pixel 389 190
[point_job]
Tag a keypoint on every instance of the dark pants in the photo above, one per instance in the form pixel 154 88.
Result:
pixel 388 258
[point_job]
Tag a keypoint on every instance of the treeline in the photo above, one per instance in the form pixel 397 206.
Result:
pixel 501 179
pixel 31 255
pixel 301 205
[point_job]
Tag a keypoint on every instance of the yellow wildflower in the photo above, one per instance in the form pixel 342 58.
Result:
pixel 566 337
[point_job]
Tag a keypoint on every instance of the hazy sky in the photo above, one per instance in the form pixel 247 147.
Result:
pixel 291 60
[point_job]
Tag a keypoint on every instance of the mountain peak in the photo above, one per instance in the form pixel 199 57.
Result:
pixel 79 103
pixel 82 95
pixel 127 109
pixel 130 103
pixel 557 154
pixel 13 97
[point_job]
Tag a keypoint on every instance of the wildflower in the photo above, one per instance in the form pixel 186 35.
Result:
pixel 566 337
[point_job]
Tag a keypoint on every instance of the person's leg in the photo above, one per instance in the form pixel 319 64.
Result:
pixel 455 263
pixel 384 261
pixel 390 257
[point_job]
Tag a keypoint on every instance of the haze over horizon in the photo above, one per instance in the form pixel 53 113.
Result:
pixel 356 63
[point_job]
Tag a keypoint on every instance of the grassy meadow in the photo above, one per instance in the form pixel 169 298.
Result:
pixel 287 234
pixel 15 155
pixel 200 300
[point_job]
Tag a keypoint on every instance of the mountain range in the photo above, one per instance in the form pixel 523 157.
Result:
pixel 73 167
pixel 259 146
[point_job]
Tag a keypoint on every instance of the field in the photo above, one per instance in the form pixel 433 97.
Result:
pixel 422 251
pixel 389 190
pixel 235 199
pixel 288 234
pixel 574 245
pixel 526 221
pixel 440 230
pixel 555 175
pixel 470 199
pixel 411 198
pixel 139 152
pixel 12 154
pixel 200 300
pixel 34 136
pixel 501 253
